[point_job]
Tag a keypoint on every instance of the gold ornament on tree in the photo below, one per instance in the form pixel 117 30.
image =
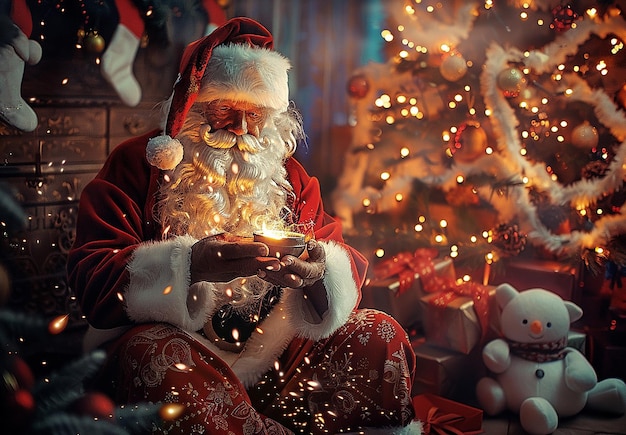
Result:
pixel 470 142
pixel 585 135
pixel 511 81
pixel 453 67
pixel 93 42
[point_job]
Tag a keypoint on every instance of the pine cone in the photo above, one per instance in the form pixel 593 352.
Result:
pixel 509 239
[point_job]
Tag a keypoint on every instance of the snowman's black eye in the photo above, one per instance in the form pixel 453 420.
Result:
pixel 525 321
pixel 549 324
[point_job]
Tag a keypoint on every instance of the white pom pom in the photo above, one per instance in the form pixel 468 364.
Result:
pixel 164 152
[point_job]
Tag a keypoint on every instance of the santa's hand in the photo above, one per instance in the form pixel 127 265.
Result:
pixel 223 258
pixel 298 272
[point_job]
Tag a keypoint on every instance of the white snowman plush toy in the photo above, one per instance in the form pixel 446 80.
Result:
pixel 533 372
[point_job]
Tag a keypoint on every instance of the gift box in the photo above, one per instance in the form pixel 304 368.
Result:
pixel 445 372
pixel 441 416
pixel 452 321
pixel 558 277
pixel 400 297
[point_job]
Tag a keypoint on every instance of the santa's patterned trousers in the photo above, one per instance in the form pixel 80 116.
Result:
pixel 359 377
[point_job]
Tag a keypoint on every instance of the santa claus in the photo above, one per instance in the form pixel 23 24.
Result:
pixel 190 308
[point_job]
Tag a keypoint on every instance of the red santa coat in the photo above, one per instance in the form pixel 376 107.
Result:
pixel 119 266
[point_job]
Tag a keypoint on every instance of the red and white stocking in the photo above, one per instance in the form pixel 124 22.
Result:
pixel 119 56
pixel 13 56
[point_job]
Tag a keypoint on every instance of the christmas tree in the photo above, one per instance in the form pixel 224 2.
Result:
pixel 495 129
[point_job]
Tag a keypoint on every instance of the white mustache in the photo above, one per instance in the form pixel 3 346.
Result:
pixel 224 139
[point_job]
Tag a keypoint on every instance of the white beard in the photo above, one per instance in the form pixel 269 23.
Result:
pixel 238 184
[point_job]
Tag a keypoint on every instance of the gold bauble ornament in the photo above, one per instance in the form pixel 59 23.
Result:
pixel 585 136
pixel 470 142
pixel 511 81
pixel 94 42
pixel 453 67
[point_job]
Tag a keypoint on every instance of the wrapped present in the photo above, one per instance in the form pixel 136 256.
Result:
pixel 444 416
pixel 399 284
pixel 445 372
pixel 558 277
pixel 460 317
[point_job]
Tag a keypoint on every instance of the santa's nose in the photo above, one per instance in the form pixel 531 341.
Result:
pixel 238 124
pixel 536 327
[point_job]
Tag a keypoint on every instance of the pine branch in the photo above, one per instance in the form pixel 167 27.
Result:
pixel 138 419
pixel 66 385
pixel 64 424
pixel 22 326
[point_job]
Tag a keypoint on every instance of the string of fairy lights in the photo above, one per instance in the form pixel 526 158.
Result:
pixel 508 115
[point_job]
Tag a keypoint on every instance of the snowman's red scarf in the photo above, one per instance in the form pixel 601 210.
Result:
pixel 540 352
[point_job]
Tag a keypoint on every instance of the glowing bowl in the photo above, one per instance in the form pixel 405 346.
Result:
pixel 281 243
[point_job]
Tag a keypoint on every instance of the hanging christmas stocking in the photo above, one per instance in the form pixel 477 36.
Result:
pixel 119 56
pixel 13 55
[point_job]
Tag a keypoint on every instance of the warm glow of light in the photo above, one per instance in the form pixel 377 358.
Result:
pixel 385 176
pixel 58 324
pixel 460 179
pixel 404 152
pixel 399 197
pixel 418 228
pixel 443 223
pixel 380 252
pixel 171 411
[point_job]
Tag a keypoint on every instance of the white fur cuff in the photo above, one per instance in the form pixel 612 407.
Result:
pixel 159 286
pixel 342 293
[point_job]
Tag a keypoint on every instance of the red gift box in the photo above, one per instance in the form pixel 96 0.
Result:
pixel 401 297
pixel 443 416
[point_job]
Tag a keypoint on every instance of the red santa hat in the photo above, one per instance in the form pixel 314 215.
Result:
pixel 234 62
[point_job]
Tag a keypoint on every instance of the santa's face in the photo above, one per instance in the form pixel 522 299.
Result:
pixel 237 117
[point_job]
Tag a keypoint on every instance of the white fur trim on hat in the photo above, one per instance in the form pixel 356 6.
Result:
pixel 245 73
